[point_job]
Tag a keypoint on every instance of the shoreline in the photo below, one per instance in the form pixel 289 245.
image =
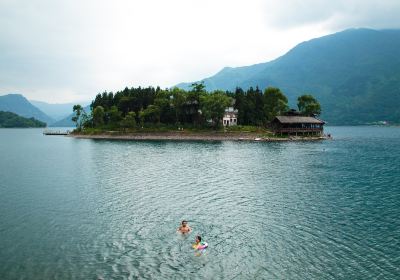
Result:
pixel 198 136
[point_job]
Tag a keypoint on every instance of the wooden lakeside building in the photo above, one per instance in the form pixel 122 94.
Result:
pixel 295 124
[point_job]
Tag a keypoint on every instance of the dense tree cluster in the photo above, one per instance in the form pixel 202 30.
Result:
pixel 308 105
pixel 133 107
pixel 9 119
pixel 259 108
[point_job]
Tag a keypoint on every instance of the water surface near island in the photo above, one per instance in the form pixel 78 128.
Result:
pixel 86 209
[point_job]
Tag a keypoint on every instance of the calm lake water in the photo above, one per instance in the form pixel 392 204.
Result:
pixel 86 209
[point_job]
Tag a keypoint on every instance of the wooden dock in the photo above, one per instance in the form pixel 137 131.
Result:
pixel 56 132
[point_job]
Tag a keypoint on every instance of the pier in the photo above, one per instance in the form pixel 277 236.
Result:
pixel 56 132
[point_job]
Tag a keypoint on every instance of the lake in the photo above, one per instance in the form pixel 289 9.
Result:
pixel 96 209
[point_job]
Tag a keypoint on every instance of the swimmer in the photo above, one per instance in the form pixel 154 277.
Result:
pixel 197 242
pixel 199 246
pixel 184 228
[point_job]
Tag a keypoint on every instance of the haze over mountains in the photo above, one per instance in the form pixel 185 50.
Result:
pixel 51 114
pixel 55 111
pixel 355 74
pixel 61 113
pixel 18 104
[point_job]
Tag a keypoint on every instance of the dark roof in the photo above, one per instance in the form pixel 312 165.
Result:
pixel 298 119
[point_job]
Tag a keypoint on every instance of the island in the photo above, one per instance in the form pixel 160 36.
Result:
pixel 195 114
pixel 12 120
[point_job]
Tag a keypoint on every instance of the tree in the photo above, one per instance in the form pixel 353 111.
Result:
pixel 115 115
pixel 150 114
pixel 308 105
pixel 141 117
pixel 258 107
pixel 79 117
pixel 98 116
pixel 163 101
pixel 275 103
pixel 124 104
pixel 213 106
pixel 192 105
pixel 241 105
pixel 198 87
pixel 178 101
pixel 129 121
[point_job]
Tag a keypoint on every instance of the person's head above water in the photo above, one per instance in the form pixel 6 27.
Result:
pixel 198 238
pixel 184 223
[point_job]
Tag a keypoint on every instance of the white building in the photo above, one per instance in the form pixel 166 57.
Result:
pixel 230 117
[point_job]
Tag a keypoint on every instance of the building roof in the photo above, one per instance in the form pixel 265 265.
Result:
pixel 231 110
pixel 298 119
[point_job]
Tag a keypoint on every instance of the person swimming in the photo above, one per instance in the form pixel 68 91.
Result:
pixel 199 246
pixel 184 228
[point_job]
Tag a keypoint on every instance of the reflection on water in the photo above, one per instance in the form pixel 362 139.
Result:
pixel 86 209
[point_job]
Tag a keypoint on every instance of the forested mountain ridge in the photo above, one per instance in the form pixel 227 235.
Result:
pixel 355 74
pixel 12 120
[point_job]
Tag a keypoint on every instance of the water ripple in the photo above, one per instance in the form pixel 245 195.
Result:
pixel 109 210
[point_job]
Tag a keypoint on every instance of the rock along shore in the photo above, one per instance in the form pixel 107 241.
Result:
pixel 198 136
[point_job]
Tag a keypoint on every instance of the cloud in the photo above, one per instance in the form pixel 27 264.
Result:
pixel 69 50
pixel 334 15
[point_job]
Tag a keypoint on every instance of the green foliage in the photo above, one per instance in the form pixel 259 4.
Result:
pixel 178 102
pixel 114 114
pixel 80 116
pixel 8 119
pixel 198 87
pixel 129 121
pixel 250 105
pixel 275 103
pixel 154 108
pixel 308 105
pixel 151 114
pixel 213 106
pixel 163 101
pixel 77 110
pixel 98 116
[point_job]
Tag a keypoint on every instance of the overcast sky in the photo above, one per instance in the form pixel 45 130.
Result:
pixel 69 50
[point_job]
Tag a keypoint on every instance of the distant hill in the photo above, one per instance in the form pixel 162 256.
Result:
pixel 55 111
pixel 67 122
pixel 355 74
pixel 18 104
pixel 11 120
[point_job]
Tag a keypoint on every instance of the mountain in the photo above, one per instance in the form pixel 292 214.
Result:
pixel 355 74
pixel 18 104
pixel 8 119
pixel 67 122
pixel 55 111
